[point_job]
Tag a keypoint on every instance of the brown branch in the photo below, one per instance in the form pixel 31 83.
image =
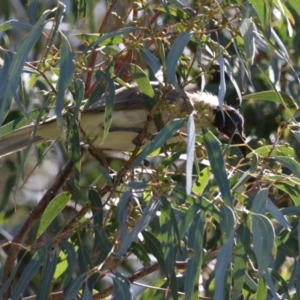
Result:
pixel 32 219
pixel 94 54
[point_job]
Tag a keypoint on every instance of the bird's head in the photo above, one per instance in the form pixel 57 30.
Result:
pixel 228 121
pixel 231 123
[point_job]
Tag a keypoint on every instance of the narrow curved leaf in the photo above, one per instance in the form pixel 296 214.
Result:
pixel 217 164
pixel 222 266
pixel 169 235
pixel 140 253
pixel 52 210
pixel 227 221
pixel 66 68
pixel 110 101
pixel 96 205
pixel 73 288
pixel 154 246
pixel 277 214
pixel 153 63
pixel 111 35
pixel 121 287
pixel 173 57
pixel 260 202
pixel 247 31
pixel 240 260
pixel 148 214
pixel 290 163
pixel 263 240
pixel 33 7
pixel 122 214
pixel 195 242
pixel 222 86
pixel 263 11
pixel 71 257
pixel 18 61
pixel 273 96
pixel 47 274
pixel 30 270
pixel 58 18
pixel 190 149
pixel 159 140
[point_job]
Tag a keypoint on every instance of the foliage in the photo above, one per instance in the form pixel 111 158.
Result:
pixel 207 224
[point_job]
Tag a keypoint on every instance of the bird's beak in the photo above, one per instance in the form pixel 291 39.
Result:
pixel 231 123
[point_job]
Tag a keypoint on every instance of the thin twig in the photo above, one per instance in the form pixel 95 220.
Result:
pixel 32 219
pixel 94 54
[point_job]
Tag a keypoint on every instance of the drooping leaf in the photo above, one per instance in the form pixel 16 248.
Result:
pixel 217 164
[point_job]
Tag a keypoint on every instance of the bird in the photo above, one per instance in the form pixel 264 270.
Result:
pixel 129 116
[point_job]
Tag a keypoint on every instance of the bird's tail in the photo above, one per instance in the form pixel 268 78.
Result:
pixel 19 139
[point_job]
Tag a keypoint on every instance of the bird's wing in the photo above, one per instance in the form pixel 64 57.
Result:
pixel 131 98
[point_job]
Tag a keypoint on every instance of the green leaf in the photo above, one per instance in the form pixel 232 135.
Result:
pixel 240 260
pixel 263 240
pixel 84 260
pixel 290 163
pixel 111 35
pixel 296 135
pixel 121 287
pixel 153 63
pixel 177 12
pixel 57 20
pixel 52 210
pixel 247 31
pixel 277 214
pixel 11 24
pixel 146 89
pixel 73 288
pixel 96 206
pixel 264 11
pixel 261 289
pixel 173 57
pixel 295 5
pixel 279 150
pixel 33 7
pixel 201 181
pixel 195 242
pixel 271 285
pixel 169 235
pixel 154 247
pixel 292 191
pixel 71 257
pixel 144 85
pixel 273 96
pixel 73 134
pixel 169 160
pixel 10 85
pixel 187 219
pixel 48 271
pixel 227 222
pixel 30 270
pixel 190 153
pixel 122 214
pixel 66 68
pixel 148 214
pixel 217 164
pixel 222 266
pixel 259 205
pixel 159 140
pixel 12 276
pixel 101 240
pixel 140 253
pixel 110 101
pixel 247 174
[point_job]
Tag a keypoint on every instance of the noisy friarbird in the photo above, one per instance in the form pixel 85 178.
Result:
pixel 128 119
